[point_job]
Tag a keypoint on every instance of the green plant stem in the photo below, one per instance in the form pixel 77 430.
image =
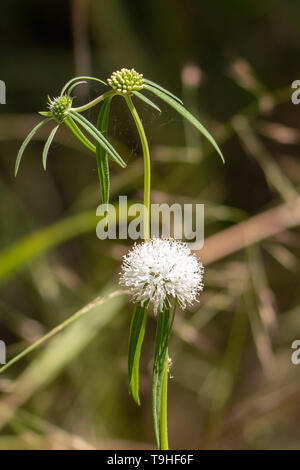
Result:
pixel 147 165
pixel 163 409
pixel 92 103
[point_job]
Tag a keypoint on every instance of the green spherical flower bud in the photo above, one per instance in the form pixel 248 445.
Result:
pixel 125 81
pixel 59 107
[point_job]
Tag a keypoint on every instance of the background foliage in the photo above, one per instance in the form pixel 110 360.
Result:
pixel 233 385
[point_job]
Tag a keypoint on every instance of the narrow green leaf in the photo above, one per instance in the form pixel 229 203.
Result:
pixel 187 115
pixel 146 100
pixel 161 345
pixel 79 135
pixel 167 92
pixel 47 146
pixel 26 142
pixel 101 154
pixel 136 337
pixel 98 137
pixel 80 78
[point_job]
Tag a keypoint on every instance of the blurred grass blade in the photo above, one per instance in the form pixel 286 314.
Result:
pixel 101 154
pixel 26 142
pixel 273 173
pixel 161 345
pixel 98 137
pixel 146 100
pixel 80 78
pixel 47 146
pixel 227 373
pixel 187 115
pixel 79 135
pixel 136 337
pixel 21 252
pixel 163 90
pixel 260 305
pixel 282 255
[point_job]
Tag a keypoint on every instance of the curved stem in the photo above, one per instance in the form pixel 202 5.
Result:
pixel 92 103
pixel 163 409
pixel 147 165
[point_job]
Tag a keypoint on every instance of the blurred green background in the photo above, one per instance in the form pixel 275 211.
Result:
pixel 234 385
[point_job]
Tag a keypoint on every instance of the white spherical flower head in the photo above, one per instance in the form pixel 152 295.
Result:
pixel 159 269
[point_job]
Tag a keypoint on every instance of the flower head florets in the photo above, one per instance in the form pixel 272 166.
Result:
pixel 160 269
pixel 125 81
pixel 59 107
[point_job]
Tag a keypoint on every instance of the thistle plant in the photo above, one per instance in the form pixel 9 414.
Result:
pixel 160 274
